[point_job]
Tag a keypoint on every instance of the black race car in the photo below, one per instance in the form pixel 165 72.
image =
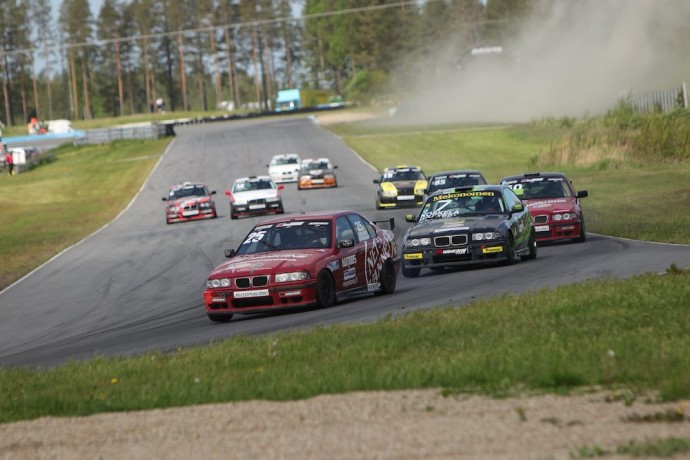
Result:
pixel 468 225
pixel 451 179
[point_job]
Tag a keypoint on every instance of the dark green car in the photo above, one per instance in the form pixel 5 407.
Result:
pixel 468 225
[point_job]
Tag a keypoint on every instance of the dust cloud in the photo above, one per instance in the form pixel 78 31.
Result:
pixel 570 58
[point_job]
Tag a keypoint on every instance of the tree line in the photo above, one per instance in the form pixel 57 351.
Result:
pixel 195 54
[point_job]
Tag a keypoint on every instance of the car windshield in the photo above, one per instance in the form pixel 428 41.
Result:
pixel 249 185
pixel 460 204
pixel 316 165
pixel 401 175
pixel 187 191
pixel 307 234
pixel 454 180
pixel 537 188
pixel 285 161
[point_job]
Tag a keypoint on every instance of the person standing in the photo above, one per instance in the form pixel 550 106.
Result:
pixel 9 160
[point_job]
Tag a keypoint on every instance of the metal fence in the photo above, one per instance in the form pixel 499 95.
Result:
pixel 127 132
pixel 660 101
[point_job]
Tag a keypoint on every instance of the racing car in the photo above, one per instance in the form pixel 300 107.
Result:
pixel 284 167
pixel 189 201
pixel 316 173
pixel 553 203
pixel 468 225
pixel 314 259
pixel 451 179
pixel 254 195
pixel 400 186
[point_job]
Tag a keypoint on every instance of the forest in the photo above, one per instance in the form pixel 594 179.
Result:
pixel 203 55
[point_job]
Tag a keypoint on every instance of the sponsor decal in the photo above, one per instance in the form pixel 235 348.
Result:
pixel 257 206
pixel 351 282
pixel 492 249
pixel 457 251
pixel 290 293
pixel 246 294
pixel 405 197
pixel 450 196
pixel 371 287
pixel 290 224
pixel 334 264
pixel 541 228
pixel 349 274
pixel 349 260
pixel 416 255
pixel 218 299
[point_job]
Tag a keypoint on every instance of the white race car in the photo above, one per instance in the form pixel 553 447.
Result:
pixel 254 195
pixel 284 168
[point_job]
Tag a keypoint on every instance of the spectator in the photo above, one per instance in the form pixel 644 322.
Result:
pixel 9 160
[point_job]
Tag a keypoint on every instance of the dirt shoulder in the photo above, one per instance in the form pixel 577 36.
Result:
pixel 377 425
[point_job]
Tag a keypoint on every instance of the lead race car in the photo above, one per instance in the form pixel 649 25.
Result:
pixel 468 225
pixel 314 259
pixel 400 186
pixel 189 201
pixel 553 203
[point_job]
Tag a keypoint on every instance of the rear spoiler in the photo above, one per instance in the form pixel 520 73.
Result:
pixel 390 222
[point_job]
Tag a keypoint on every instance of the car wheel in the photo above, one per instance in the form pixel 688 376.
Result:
pixel 511 254
pixel 378 205
pixel 583 234
pixel 280 210
pixel 410 272
pixel 233 216
pixel 387 278
pixel 325 289
pixel 532 246
pixel 219 318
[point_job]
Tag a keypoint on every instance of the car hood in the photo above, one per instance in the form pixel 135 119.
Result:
pixel 268 262
pixel 188 201
pixel 545 205
pixel 243 197
pixel 442 226
pixel 283 168
pixel 417 184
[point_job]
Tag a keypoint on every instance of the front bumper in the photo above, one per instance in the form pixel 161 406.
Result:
pixel 557 231
pixel 455 256
pixel 317 183
pixel 400 201
pixel 257 208
pixel 256 300
pixel 193 214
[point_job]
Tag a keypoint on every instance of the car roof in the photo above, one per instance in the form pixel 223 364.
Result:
pixel 285 155
pixel 457 171
pixel 251 178
pixel 315 160
pixel 187 185
pixel 533 174
pixel 313 215
pixel 395 168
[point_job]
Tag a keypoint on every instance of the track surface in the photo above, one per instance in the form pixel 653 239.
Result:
pixel 136 285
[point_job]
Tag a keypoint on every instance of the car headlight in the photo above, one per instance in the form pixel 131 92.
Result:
pixel 564 216
pixel 418 242
pixel 485 236
pixel 218 282
pixel 205 204
pixel 293 276
pixel 419 191
pixel 329 176
pixel 389 193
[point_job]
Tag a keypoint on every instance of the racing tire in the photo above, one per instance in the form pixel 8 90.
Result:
pixel 233 216
pixel 219 318
pixel 532 244
pixel 325 289
pixel 280 210
pixel 387 278
pixel 410 272
pixel 583 234
pixel 512 256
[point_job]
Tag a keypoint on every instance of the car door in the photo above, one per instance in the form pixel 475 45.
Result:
pixel 351 258
pixel 521 221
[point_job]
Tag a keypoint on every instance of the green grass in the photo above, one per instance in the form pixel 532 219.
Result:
pixel 590 334
pixel 632 334
pixel 661 448
pixel 56 204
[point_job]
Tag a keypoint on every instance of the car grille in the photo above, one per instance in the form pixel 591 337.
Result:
pixel 450 240
pixel 191 207
pixel 542 219
pixel 405 190
pixel 254 281
pixel 257 201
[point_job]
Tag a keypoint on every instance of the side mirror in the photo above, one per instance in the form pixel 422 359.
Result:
pixel 376 181
pixel 227 192
pixel 517 207
pixel 346 243
pixel 281 187
pixel 213 192
pixel 582 194
pixel 335 167
pixel 164 199
pixel 229 253
pixel 410 218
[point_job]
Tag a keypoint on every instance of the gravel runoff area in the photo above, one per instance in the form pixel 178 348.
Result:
pixel 415 424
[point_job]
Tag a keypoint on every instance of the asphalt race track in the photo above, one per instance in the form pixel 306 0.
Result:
pixel 136 285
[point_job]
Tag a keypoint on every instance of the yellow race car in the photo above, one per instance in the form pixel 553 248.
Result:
pixel 400 186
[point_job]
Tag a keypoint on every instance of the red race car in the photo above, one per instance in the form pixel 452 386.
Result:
pixel 553 203
pixel 303 260
pixel 189 201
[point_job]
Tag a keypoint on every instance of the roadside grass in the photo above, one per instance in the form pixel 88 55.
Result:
pixel 660 448
pixel 52 206
pixel 596 334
